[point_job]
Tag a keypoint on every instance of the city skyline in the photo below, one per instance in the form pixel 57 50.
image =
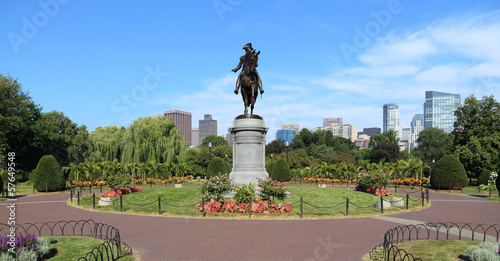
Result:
pixel 318 60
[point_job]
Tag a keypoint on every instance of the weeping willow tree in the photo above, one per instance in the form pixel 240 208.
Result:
pixel 153 139
pixel 108 142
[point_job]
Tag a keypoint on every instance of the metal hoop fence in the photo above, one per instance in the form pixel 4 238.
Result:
pixel 110 249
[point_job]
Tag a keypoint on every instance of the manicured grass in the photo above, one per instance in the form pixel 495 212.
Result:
pixel 72 248
pixel 431 250
pixel 146 202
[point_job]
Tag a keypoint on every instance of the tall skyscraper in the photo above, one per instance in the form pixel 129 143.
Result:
pixel 369 131
pixel 391 118
pixel 291 126
pixel 285 135
pixel 182 122
pixel 229 137
pixel 329 121
pixel 417 125
pixel 195 137
pixel 439 110
pixel 207 127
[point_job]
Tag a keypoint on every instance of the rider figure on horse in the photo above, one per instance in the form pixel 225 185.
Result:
pixel 243 62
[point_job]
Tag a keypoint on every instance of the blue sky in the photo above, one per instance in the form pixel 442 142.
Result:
pixel 109 62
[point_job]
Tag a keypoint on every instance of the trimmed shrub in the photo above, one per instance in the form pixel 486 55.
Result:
pixel 498 184
pixel 218 167
pixel 280 171
pixel 269 167
pixel 484 177
pixel 48 175
pixel 448 172
pixel 1 185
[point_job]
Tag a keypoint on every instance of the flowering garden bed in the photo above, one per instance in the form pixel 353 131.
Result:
pixel 121 191
pixel 230 206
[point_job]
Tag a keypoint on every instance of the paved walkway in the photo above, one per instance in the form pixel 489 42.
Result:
pixel 163 238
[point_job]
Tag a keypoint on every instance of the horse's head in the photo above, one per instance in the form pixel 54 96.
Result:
pixel 252 61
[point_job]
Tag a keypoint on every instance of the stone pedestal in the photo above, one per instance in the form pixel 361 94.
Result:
pixel 249 146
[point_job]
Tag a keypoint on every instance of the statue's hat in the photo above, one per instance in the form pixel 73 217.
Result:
pixel 248 45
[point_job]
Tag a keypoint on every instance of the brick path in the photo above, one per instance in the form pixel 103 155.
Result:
pixel 163 238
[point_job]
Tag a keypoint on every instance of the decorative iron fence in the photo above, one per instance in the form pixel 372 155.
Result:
pixel 424 197
pixel 434 231
pixel 111 249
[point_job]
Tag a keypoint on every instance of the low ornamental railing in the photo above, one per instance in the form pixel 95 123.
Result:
pixel 433 231
pixel 111 249
pixel 424 197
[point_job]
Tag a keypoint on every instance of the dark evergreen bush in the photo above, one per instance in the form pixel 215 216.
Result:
pixel 269 168
pixel 484 177
pixel 448 172
pixel 216 166
pixel 1 185
pixel 48 175
pixel 280 171
pixel 498 184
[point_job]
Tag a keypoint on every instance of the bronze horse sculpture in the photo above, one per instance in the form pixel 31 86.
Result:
pixel 249 79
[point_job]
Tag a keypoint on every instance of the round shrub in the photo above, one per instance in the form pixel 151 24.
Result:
pixel 48 175
pixel 498 184
pixel 280 171
pixel 484 177
pixel 218 167
pixel 1 185
pixel 269 167
pixel 448 172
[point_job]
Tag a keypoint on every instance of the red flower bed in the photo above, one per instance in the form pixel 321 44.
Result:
pixel 121 191
pixel 230 206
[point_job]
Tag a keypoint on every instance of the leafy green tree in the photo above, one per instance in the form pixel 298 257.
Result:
pixel 62 138
pixel 448 172
pixel 107 143
pixel 320 152
pixel 216 141
pixel 153 139
pixel 390 137
pixel 48 175
pixel 480 153
pixel 476 118
pixel 18 117
pixel 275 147
pixel 386 151
pixel 432 145
pixel 343 157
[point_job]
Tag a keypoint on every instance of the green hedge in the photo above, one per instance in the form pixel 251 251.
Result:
pixel 448 172
pixel 484 177
pixel 216 166
pixel 280 171
pixel 48 175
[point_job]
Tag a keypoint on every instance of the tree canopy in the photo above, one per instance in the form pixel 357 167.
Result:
pixel 432 145
pixel 216 141
pixel 476 137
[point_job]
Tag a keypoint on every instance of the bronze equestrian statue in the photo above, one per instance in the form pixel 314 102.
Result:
pixel 249 78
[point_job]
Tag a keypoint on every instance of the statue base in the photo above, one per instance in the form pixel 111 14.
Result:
pixel 249 146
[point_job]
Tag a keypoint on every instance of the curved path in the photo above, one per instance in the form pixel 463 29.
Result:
pixel 163 238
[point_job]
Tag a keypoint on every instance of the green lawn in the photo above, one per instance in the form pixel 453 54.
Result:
pixel 431 250
pixel 72 248
pixel 146 202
